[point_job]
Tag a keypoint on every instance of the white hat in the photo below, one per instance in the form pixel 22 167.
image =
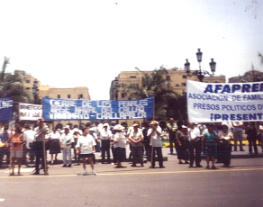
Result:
pixel 184 127
pixel 92 129
pixel 135 124
pixel 154 122
pixel 105 125
pixel 118 127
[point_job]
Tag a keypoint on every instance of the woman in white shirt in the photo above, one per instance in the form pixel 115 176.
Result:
pixel 86 149
pixel 54 145
pixel 119 144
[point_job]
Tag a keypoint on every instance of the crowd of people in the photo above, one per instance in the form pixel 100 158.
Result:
pixel 29 144
pixel 214 140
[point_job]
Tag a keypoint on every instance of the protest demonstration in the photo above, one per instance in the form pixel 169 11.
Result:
pixel 120 103
pixel 108 138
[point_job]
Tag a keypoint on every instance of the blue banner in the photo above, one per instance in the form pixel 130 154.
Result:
pixel 6 109
pixel 72 109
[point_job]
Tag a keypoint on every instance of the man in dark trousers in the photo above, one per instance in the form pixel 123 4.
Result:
pixel 40 147
pixel 172 127
pixel 195 146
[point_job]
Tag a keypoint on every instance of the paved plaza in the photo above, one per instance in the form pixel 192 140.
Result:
pixel 176 185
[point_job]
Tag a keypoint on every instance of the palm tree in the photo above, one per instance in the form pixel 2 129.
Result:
pixel 154 84
pixel 12 87
pixel 261 57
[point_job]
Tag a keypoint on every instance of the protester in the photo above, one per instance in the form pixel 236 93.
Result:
pixel 16 149
pixel 156 143
pixel 136 141
pixel 209 146
pixel 195 146
pixel 66 140
pixel 105 137
pixel 182 144
pixel 92 132
pixel 29 136
pixel 251 132
pixel 119 144
pixel 238 135
pixel 40 147
pixel 54 145
pixel 4 150
pixel 146 140
pixel 129 131
pixel 224 148
pixel 86 149
pixel 171 127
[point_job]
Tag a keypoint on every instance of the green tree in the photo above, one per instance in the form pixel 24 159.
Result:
pixel 12 86
pixel 157 84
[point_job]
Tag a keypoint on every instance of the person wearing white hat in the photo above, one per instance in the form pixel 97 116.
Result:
pixel 136 139
pixel 195 146
pixel 156 143
pixel 66 142
pixel 119 144
pixel 105 137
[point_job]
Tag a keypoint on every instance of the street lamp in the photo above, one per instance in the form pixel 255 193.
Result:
pixel 35 91
pixel 200 73
pixel 116 88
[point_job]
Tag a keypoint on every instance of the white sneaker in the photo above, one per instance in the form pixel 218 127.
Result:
pixel 85 172
pixel 93 172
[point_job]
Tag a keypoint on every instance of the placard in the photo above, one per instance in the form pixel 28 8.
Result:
pixel 30 112
pixel 6 109
pixel 222 102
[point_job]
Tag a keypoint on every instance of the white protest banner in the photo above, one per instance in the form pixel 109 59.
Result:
pixel 30 112
pixel 218 102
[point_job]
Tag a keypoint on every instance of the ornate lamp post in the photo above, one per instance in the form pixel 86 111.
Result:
pixel 116 88
pixel 35 91
pixel 200 73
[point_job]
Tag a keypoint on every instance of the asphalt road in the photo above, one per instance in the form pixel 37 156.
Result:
pixel 176 185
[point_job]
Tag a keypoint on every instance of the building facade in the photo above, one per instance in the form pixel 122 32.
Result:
pixel 29 82
pixel 177 78
pixel 250 76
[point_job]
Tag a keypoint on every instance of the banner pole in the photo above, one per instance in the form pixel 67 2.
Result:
pixel 44 157
pixel 151 137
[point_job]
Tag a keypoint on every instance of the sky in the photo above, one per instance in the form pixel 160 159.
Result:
pixel 71 43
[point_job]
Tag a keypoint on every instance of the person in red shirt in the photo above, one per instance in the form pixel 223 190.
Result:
pixel 16 149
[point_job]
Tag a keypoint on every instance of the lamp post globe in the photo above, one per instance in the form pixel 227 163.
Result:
pixel 187 66
pixel 199 55
pixel 212 66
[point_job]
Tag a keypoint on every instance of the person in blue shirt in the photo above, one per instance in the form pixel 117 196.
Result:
pixel 4 150
pixel 209 145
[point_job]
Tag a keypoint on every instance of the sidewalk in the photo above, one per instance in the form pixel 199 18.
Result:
pixel 234 154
